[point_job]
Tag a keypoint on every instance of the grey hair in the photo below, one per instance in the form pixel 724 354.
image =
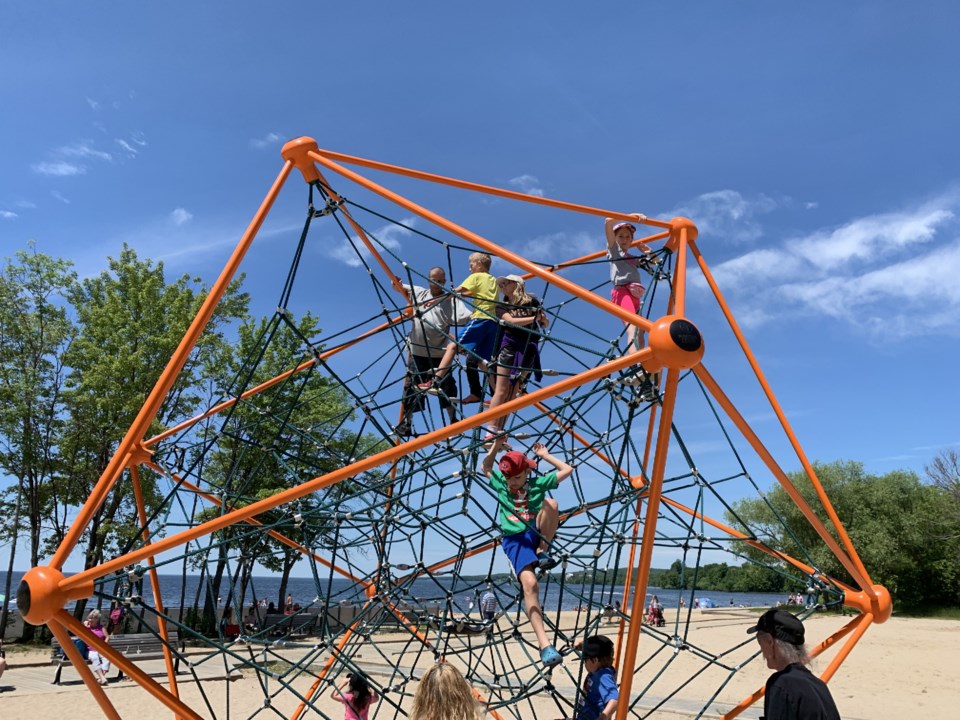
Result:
pixel 792 653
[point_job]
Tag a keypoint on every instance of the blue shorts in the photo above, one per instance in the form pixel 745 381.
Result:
pixel 478 337
pixel 521 548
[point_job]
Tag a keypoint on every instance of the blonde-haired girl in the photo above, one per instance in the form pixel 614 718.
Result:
pixel 444 694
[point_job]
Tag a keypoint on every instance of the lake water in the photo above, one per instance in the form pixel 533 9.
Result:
pixel 428 591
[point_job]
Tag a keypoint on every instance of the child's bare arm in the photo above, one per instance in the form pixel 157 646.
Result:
pixel 563 469
pixel 608 228
pixel 609 710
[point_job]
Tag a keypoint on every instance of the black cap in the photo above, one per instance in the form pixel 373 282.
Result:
pixel 597 646
pixel 782 625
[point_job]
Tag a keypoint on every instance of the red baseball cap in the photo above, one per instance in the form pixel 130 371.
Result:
pixel 513 463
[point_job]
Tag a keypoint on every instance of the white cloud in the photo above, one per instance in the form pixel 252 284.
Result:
pixel 58 169
pixel 891 275
pixel 875 236
pixel 527 184
pixel 83 149
pixel 386 236
pixel 727 214
pixel 266 141
pixel 180 216
pixel 557 247
pixel 59 197
pixel 25 204
pixel 8 214
pixel 94 105
pixel 130 150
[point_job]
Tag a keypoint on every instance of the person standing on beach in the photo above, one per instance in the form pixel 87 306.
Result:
pixel 488 604
pixel 528 520
pixel 792 692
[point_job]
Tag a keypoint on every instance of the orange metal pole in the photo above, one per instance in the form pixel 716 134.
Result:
pixel 862 574
pixel 646 543
pixel 453 182
pixel 767 458
pixel 63 637
pixel 169 375
pixel 154 583
pixel 559 281
pixel 130 669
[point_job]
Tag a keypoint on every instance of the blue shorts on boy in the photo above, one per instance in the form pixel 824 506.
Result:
pixel 478 337
pixel 517 515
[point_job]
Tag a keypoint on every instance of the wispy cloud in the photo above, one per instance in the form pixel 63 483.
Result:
pixel 891 275
pixel 94 105
pixel 67 160
pixel 877 236
pixel 83 149
pixel 59 196
pixel 25 204
pixel 266 141
pixel 727 214
pixel 527 184
pixel 58 168
pixel 127 147
pixel 8 214
pixel 355 253
pixel 180 216
pixel 557 247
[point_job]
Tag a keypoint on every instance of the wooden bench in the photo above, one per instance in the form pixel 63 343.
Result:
pixel 133 646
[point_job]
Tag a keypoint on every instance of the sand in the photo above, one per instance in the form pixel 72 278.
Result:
pixel 902 668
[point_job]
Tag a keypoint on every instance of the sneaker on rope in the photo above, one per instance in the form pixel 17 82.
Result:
pixel 550 657
pixel 403 429
pixel 546 561
pixel 427 386
pixel 469 399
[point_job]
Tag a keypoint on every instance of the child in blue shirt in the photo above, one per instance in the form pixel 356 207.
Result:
pixel 600 693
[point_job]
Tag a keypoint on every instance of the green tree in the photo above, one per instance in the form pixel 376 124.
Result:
pixel 897 524
pixel 290 433
pixel 130 321
pixel 35 330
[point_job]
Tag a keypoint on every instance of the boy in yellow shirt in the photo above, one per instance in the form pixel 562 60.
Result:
pixel 478 336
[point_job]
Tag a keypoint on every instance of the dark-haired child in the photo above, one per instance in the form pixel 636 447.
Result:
pixel 600 694
pixel 356 696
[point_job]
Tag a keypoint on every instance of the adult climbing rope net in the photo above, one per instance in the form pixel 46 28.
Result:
pixel 297 462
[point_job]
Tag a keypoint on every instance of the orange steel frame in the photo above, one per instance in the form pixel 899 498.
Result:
pixel 45 591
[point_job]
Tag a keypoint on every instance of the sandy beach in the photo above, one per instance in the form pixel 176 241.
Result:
pixel 903 668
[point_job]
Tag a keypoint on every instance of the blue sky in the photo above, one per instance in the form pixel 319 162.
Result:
pixel 814 146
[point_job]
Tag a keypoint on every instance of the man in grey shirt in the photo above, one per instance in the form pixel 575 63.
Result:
pixel 434 311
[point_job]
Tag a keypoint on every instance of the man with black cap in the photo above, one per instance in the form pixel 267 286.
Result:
pixel 792 692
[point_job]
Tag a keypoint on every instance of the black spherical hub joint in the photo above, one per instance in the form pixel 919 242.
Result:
pixel 676 343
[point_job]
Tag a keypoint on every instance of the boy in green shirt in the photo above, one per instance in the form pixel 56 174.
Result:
pixel 529 521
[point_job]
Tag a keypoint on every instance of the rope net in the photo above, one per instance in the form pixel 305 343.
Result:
pixel 396 535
